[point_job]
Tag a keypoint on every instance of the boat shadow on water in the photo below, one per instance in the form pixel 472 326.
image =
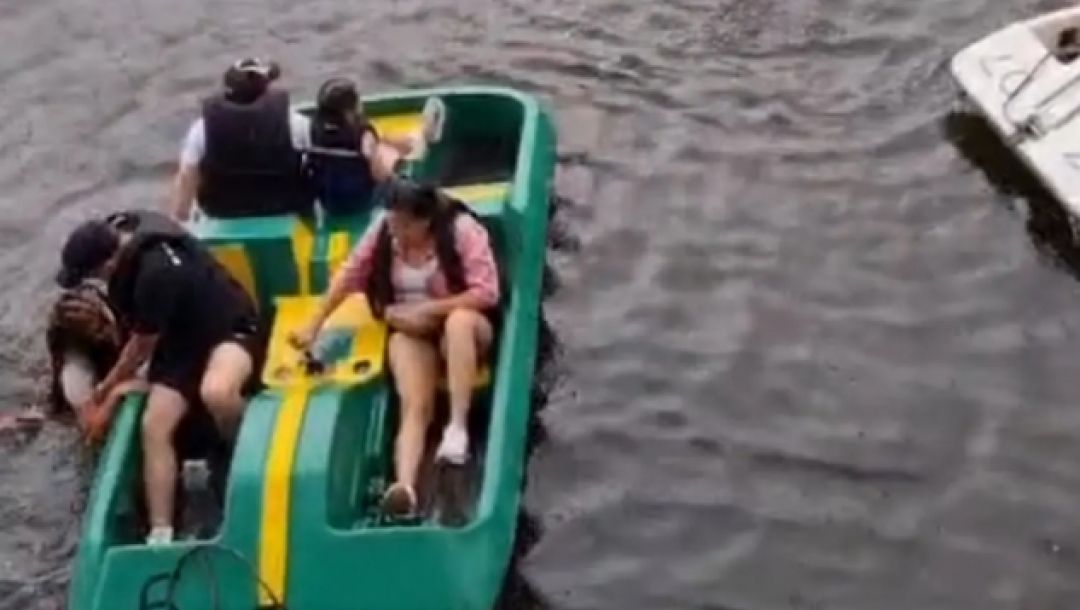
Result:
pixel 1047 221
pixel 518 593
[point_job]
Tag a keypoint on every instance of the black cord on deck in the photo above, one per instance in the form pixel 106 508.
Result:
pixel 172 579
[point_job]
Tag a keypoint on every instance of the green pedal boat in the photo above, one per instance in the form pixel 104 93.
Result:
pixel 301 526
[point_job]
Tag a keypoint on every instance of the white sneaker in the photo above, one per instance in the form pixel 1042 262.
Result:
pixel 454 447
pixel 160 535
pixel 434 118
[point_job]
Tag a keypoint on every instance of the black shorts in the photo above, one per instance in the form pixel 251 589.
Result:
pixel 179 362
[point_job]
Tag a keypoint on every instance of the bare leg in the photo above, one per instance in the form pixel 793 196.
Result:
pixel 227 371
pixel 415 364
pixel 467 336
pixel 164 409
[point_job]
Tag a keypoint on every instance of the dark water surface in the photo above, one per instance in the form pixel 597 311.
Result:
pixel 811 355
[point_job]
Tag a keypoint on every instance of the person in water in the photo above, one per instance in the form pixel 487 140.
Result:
pixel 84 337
pixel 426 268
pixel 347 158
pixel 243 156
pixel 187 317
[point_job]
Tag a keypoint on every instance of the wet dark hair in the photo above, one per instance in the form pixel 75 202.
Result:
pixel 421 201
pixel 84 320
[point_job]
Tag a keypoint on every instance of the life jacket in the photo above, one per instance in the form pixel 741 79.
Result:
pixel 250 167
pixel 340 174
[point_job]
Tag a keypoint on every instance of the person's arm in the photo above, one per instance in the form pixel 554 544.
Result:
pixel 185 186
pixel 96 422
pixel 136 351
pixel 340 288
pixel 382 157
pixel 156 294
pixel 402 145
pixel 481 273
pixel 351 277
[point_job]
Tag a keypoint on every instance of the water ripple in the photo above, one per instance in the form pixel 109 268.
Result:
pixel 814 327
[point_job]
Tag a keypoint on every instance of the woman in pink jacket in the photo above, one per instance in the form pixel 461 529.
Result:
pixel 427 269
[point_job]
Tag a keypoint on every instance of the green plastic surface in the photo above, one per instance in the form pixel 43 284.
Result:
pixel 340 554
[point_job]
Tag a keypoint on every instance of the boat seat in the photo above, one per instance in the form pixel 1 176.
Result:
pixel 267 255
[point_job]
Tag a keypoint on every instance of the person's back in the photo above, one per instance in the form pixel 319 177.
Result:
pixel 250 167
pixel 342 140
pixel 204 293
pixel 244 156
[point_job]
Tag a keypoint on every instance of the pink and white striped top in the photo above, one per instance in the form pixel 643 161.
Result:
pixel 473 245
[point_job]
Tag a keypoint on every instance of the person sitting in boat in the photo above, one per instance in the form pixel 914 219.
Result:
pixel 243 156
pixel 83 337
pixel 347 158
pixel 193 323
pixel 427 268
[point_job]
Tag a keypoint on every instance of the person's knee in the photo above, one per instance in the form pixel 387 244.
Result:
pixel 158 425
pixel 220 391
pixel 461 324
pixel 222 384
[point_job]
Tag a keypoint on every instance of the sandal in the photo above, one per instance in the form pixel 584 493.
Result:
pixel 399 502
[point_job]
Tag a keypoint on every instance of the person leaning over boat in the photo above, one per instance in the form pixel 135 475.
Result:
pixel 193 322
pixel 427 269
pixel 84 337
pixel 243 156
pixel 347 158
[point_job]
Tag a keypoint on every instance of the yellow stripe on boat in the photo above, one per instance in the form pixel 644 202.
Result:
pixel 369 344
pixel 235 260
pixel 303 249
pixel 277 489
pixel 337 251
pixel 397 125
pixel 285 365
pixel 490 192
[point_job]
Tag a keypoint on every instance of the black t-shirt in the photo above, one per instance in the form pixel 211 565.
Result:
pixel 182 297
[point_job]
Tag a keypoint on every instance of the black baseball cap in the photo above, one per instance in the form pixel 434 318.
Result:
pixel 86 249
pixel 247 79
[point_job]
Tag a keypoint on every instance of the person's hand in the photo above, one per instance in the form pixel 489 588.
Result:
pixel 96 423
pixel 101 392
pixel 303 338
pixel 83 414
pixel 412 318
pixel 400 316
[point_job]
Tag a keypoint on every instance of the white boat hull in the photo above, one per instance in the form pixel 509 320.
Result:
pixel 1027 85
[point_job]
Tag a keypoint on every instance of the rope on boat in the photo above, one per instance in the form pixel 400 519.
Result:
pixel 1028 128
pixel 172 579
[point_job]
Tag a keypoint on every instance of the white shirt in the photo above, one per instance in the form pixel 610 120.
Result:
pixel 194 147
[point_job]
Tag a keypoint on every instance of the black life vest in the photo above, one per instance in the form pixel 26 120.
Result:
pixel 250 167
pixel 339 171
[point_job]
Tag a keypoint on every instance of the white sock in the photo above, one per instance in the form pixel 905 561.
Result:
pixel 160 534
